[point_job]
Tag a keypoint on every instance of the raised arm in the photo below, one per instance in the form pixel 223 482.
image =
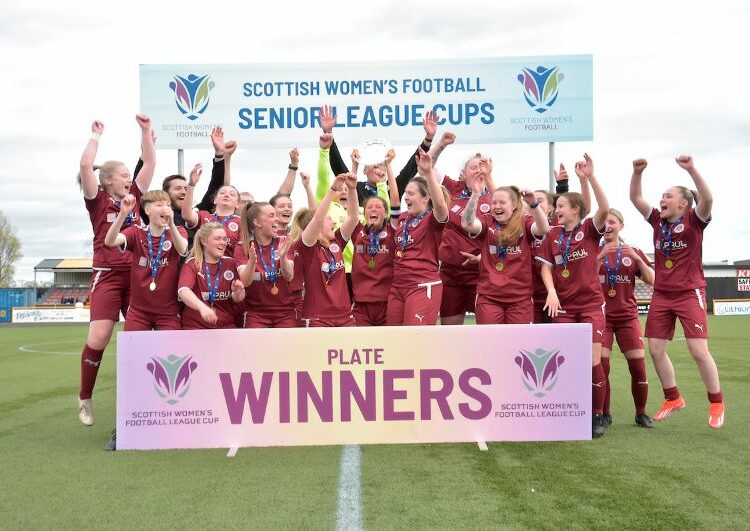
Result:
pixel 410 168
pixel 600 216
pixel 139 164
pixel 540 227
pixel 446 140
pixel 636 195
pixel 247 270
pixel 231 148
pixel 180 242
pixel 311 232
pixel 469 221
pixel 486 163
pixel 324 178
pixel 311 202
pixel 705 200
pixel 561 180
pixel 113 237
pixel 585 191
pixel 287 186
pixel 352 207
pixel 148 153
pixel 217 170
pixel 188 214
pixel 327 123
pixel 89 182
pixel 439 206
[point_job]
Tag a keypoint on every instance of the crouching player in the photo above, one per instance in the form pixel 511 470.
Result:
pixel 209 284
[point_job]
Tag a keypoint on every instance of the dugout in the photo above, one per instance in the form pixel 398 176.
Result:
pixel 70 281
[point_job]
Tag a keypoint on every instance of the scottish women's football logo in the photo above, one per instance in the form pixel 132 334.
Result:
pixel 171 376
pixel 191 94
pixel 539 369
pixel 540 86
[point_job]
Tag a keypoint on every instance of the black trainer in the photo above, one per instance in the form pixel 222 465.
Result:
pixel 644 421
pixel 111 446
pixel 598 426
pixel 608 419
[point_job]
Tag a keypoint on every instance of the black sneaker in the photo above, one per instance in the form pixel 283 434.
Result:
pixel 644 421
pixel 598 426
pixel 111 446
pixel 607 420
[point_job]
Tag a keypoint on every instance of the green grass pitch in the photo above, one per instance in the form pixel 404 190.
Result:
pixel 55 474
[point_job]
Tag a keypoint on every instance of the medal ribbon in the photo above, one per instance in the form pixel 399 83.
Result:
pixel 223 222
pixel 501 249
pixel 213 289
pixel 666 247
pixel 374 246
pixel 411 224
pixel 612 275
pixel 566 252
pixel 331 264
pixel 272 274
pixel 154 263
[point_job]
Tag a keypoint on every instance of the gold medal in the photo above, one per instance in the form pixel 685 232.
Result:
pixel 274 290
pixel 371 264
pixel 612 292
pixel 565 273
pixel 399 253
pixel 152 286
pixel 668 263
pixel 499 266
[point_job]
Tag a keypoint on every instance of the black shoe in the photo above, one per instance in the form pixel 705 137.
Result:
pixel 111 446
pixel 607 420
pixel 598 426
pixel 644 421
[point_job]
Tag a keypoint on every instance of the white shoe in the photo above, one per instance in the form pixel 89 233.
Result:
pixel 86 412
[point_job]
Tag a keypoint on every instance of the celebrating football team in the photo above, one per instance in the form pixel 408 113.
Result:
pixel 394 250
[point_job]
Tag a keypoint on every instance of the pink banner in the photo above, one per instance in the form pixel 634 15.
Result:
pixel 234 388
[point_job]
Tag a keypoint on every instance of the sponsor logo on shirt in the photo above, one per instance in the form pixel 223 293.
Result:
pixel 580 254
pixel 326 267
pixel 220 296
pixel 456 209
pixel 512 249
pixel 675 245
pixel 621 279
pixel 399 239
pixel 142 261
pixel 111 217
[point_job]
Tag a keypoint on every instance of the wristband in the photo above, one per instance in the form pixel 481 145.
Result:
pixel 218 158
pixel 428 139
pixel 295 168
pixel 534 204
pixel 191 184
pixel 96 136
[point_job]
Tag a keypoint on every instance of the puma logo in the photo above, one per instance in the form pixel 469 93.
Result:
pixel 600 333
pixel 94 363
pixel 420 317
pixel 599 385
pixel 699 327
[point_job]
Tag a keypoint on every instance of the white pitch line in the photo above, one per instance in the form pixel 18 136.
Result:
pixel 29 348
pixel 349 511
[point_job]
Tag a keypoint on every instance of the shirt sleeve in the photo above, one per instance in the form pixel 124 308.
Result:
pixel 131 238
pixel 187 276
pixel 546 253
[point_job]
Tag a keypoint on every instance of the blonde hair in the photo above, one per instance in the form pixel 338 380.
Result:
pixel 300 222
pixel 105 170
pixel 152 196
pixel 514 228
pixel 616 213
pixel 204 232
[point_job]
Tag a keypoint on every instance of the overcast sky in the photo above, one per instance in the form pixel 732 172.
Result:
pixel 668 80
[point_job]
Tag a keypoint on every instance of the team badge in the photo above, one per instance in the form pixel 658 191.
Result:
pixel 579 236
pixel 334 248
pixel 229 275
pixel 627 262
pixel 484 208
pixel 233 226
pixel 383 234
pixel 167 245
pixel 679 228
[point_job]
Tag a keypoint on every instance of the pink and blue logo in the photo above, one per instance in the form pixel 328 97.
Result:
pixel 171 376
pixel 192 94
pixel 540 86
pixel 539 369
